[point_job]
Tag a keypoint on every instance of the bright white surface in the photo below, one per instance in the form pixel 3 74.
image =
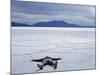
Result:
pixel 76 47
pixel 5 36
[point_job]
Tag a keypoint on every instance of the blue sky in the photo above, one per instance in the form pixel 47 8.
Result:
pixel 33 12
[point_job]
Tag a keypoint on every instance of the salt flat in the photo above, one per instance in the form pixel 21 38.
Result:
pixel 76 47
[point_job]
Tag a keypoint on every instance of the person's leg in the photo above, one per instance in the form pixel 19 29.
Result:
pixel 56 63
pixel 40 66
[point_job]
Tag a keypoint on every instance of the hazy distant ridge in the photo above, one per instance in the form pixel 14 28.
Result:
pixel 49 24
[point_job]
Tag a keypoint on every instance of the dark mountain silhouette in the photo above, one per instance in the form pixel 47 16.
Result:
pixel 50 24
pixel 14 24
pixel 55 24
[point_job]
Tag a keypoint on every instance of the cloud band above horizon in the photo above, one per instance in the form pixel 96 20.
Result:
pixel 33 12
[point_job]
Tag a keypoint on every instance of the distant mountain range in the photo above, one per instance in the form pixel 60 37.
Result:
pixel 49 24
pixel 14 24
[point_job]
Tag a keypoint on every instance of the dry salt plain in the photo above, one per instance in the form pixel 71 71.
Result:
pixel 76 47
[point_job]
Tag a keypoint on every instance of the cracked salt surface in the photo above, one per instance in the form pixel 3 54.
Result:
pixel 76 47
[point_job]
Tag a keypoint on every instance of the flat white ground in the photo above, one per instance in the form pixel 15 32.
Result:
pixel 76 47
